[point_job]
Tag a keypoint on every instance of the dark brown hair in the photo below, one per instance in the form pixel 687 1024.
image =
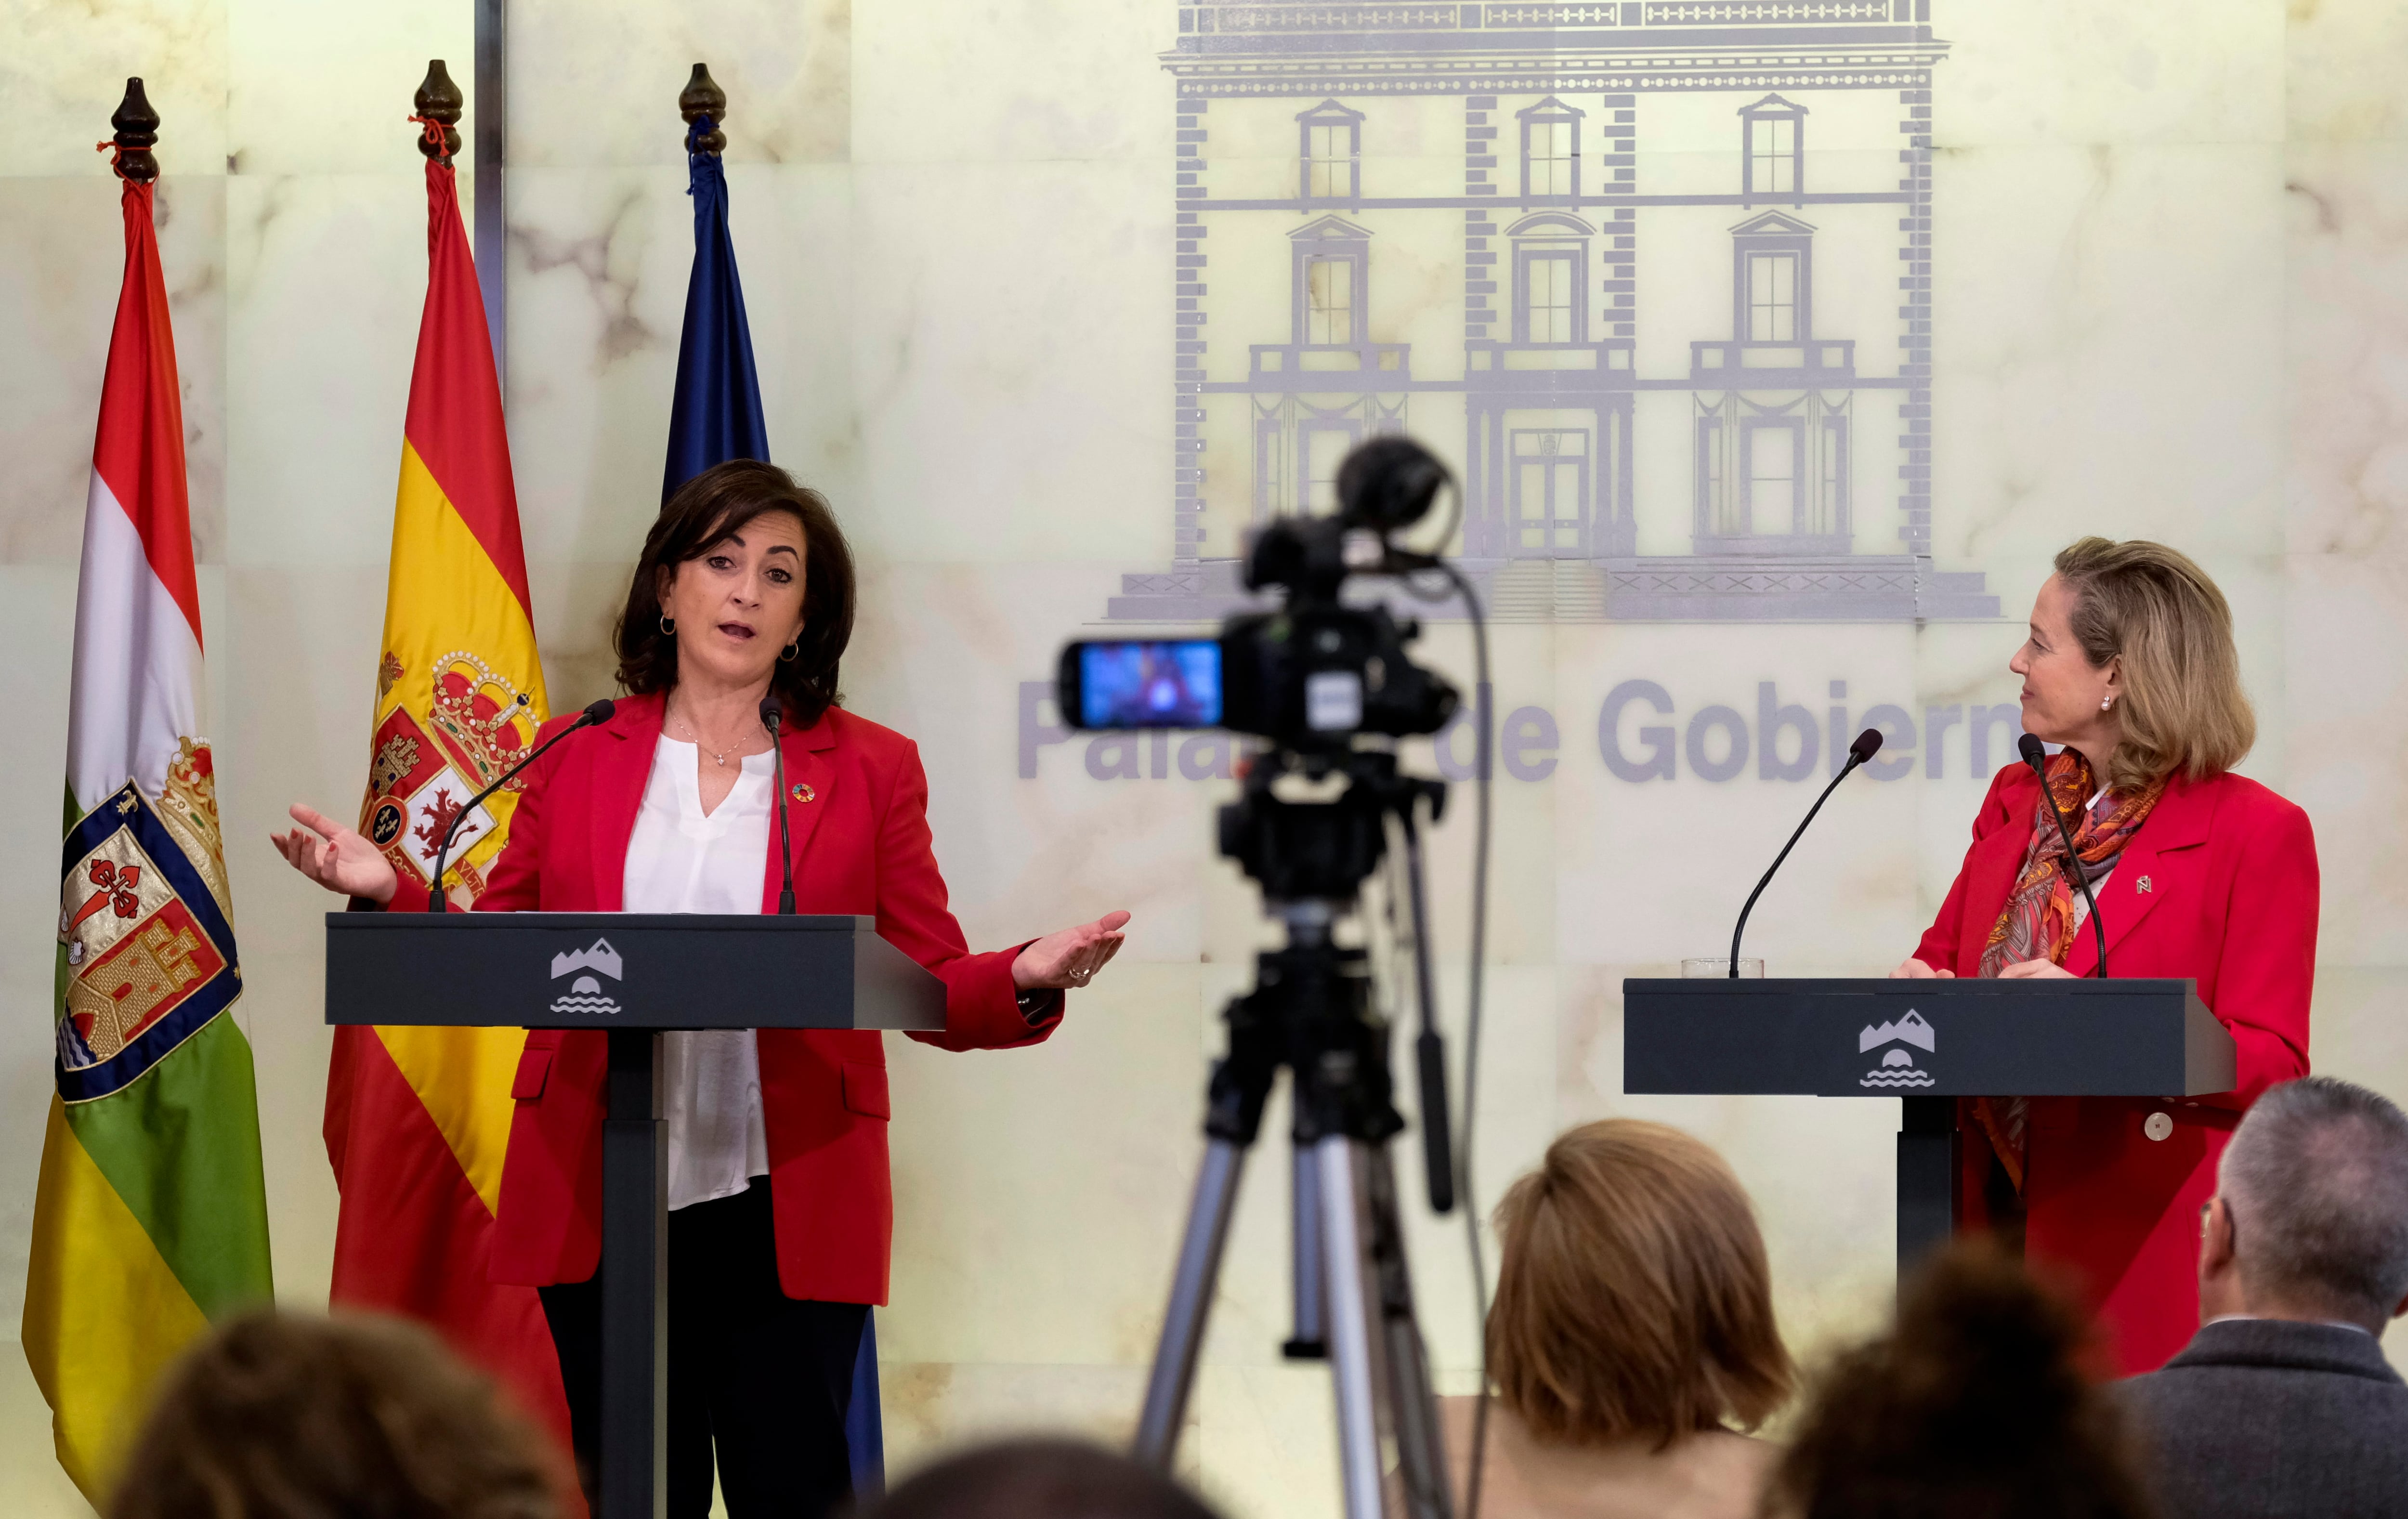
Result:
pixel 718 501
pixel 1974 1407
pixel 2182 707
pixel 295 1416
pixel 1633 1297
pixel 1039 1479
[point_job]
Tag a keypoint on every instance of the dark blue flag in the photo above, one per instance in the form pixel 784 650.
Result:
pixel 715 416
pixel 715 412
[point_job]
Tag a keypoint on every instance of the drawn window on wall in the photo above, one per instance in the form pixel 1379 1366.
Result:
pixel 1772 151
pixel 1551 290
pixel 1831 484
pixel 1329 299
pixel 1330 151
pixel 1322 447
pixel 1550 490
pixel 1769 455
pixel 1716 510
pixel 1550 150
pixel 1772 298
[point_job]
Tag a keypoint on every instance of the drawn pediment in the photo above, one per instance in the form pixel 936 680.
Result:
pixel 1553 107
pixel 1330 112
pixel 1550 224
pixel 1773 224
pixel 1773 105
pixel 1333 229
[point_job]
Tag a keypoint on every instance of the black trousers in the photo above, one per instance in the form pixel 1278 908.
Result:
pixel 759 1378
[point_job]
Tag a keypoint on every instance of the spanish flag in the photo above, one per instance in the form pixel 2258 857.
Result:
pixel 150 1218
pixel 416 1119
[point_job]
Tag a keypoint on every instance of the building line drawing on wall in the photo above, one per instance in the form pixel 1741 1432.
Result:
pixel 1785 474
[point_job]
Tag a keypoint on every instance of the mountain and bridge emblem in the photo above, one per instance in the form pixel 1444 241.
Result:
pixel 1898 1067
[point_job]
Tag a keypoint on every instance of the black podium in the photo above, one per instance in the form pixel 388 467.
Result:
pixel 635 975
pixel 1928 1042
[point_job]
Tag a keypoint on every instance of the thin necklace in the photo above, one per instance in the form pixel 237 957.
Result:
pixel 718 757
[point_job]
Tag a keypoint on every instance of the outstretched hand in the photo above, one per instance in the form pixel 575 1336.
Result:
pixel 333 856
pixel 1070 959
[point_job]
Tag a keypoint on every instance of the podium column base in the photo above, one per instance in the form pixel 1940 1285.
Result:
pixel 1928 1171
pixel 634 1476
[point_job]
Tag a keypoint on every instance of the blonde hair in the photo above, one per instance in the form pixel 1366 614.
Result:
pixel 1633 1299
pixel 2183 706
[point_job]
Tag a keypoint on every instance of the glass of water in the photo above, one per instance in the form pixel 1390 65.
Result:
pixel 1749 966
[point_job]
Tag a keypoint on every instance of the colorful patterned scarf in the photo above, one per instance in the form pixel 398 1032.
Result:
pixel 2038 921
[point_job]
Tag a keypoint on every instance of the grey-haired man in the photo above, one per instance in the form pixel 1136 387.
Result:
pixel 2283 1403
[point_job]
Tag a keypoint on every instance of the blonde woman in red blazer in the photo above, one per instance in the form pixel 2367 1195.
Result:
pixel 2199 873
pixel 745 589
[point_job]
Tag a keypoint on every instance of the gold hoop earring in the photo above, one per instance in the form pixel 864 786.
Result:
pixel 668 626
pixel 786 655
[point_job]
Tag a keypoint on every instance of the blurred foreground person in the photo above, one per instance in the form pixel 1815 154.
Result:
pixel 1973 1407
pixel 2283 1403
pixel 1633 1321
pixel 1039 1479
pixel 293 1417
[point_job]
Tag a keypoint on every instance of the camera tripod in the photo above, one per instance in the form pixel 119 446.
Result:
pixel 1311 1013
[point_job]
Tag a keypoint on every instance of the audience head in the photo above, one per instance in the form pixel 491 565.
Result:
pixel 2310 1218
pixel 1039 1479
pixel 1974 1407
pixel 295 1416
pixel 1633 1299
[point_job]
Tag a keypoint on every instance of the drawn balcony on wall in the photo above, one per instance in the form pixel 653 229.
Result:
pixel 1688 382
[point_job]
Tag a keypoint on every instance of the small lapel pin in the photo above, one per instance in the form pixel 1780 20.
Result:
pixel 2141 884
pixel 803 793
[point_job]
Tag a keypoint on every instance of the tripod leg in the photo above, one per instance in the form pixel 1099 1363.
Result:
pixel 1191 1300
pixel 1356 1347
pixel 1412 1402
pixel 1310 1342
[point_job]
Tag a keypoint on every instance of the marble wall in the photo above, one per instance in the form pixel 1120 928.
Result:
pixel 2168 266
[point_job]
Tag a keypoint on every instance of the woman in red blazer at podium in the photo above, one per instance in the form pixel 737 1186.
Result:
pixel 2199 873
pixel 782 1213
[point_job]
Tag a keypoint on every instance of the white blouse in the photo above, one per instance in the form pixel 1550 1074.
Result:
pixel 679 860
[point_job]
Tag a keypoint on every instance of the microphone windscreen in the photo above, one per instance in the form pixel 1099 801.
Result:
pixel 599 712
pixel 2032 751
pixel 1868 744
pixel 771 712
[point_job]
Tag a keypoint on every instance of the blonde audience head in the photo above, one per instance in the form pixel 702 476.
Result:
pixel 1633 1300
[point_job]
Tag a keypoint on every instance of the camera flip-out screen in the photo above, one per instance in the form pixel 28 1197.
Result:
pixel 1149 683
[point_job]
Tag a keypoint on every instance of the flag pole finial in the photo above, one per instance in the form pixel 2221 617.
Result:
pixel 703 100
pixel 439 101
pixel 137 129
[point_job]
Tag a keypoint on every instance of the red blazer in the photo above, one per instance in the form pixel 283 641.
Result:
pixel 2218 885
pixel 857 802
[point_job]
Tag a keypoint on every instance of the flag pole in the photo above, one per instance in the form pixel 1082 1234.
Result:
pixel 437 103
pixel 703 99
pixel 138 132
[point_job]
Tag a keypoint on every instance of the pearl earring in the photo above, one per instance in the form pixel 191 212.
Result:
pixel 2106 703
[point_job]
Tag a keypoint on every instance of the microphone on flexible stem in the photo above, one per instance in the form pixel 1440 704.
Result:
pixel 1868 744
pixel 2037 757
pixel 771 715
pixel 598 712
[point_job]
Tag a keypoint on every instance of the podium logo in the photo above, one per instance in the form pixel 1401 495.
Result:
pixel 585 993
pixel 1897 1067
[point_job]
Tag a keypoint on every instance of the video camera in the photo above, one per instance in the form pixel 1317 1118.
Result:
pixel 1311 674
pixel 1315 676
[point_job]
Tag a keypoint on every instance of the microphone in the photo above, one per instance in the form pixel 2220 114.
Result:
pixel 598 712
pixel 1868 744
pixel 771 715
pixel 2037 757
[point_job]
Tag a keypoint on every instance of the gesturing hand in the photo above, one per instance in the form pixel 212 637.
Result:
pixel 1917 971
pixel 333 856
pixel 1070 958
